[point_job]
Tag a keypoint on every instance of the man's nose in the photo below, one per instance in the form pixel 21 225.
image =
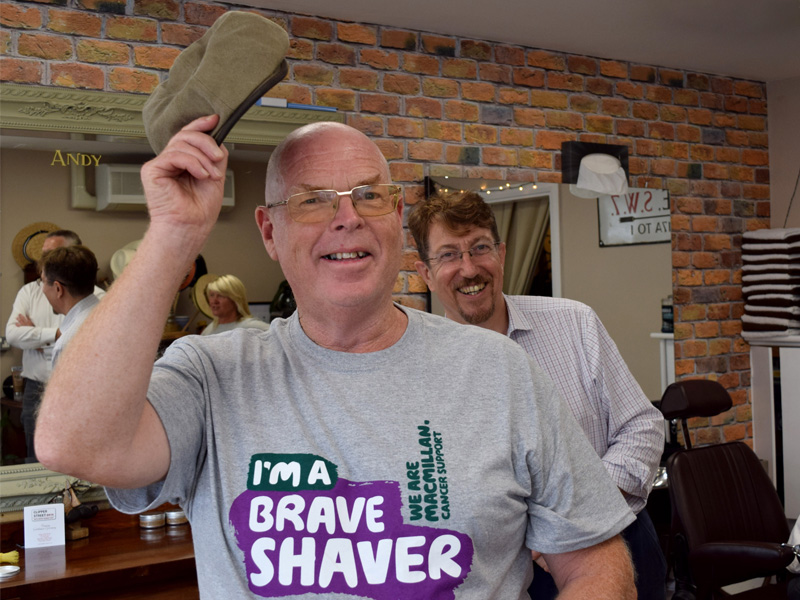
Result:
pixel 346 213
pixel 467 264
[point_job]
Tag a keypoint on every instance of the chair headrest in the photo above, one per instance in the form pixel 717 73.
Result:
pixel 694 398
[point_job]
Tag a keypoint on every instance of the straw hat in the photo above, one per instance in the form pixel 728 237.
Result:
pixel 27 244
pixel 199 293
pixel 121 258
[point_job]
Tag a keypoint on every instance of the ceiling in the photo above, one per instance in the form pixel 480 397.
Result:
pixel 749 39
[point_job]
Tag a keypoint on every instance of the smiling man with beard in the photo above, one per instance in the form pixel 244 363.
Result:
pixel 462 262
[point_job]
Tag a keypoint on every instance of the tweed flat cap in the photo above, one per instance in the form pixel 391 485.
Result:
pixel 224 72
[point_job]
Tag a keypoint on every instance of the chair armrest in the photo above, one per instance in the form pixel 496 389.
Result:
pixel 722 563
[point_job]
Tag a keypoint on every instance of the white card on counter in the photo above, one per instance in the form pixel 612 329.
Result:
pixel 44 525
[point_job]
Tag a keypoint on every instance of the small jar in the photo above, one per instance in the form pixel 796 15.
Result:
pixel 151 520
pixel 176 517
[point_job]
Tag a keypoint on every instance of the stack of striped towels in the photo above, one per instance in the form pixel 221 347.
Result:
pixel 771 282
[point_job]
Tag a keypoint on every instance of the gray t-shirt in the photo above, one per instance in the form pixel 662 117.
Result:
pixel 419 471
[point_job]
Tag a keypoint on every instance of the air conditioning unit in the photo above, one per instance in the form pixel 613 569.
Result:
pixel 119 187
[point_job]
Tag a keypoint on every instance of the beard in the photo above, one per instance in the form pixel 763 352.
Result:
pixel 478 316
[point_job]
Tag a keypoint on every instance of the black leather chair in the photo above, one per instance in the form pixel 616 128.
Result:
pixel 728 523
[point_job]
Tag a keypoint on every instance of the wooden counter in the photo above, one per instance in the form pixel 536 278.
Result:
pixel 119 560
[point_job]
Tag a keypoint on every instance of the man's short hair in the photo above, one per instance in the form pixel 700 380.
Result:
pixel 71 237
pixel 75 267
pixel 456 211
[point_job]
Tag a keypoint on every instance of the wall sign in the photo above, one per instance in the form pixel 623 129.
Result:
pixel 642 216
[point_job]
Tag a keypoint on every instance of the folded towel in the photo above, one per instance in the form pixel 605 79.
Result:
pixel 791 234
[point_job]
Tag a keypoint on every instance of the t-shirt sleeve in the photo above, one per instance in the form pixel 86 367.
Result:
pixel 573 502
pixel 177 392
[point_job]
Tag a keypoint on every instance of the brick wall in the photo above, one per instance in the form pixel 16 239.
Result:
pixel 441 105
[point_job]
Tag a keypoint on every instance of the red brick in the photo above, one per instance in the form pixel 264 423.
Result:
pixel 424 107
pixel 531 117
pixel 499 156
pixel 313 74
pixel 77 76
pixel 644 110
pixel 675 150
pixel 714 171
pixel 535 160
pixel 48 47
pixel 439 45
pixel 439 87
pixel 367 124
pixel 456 110
pixel 741 173
pixel 358 79
pixel 660 94
pixel 19 17
pixel 757 107
pixel 661 131
pixel 341 99
pixel 509 55
pixel 546 99
pixel 694 348
pixel 131 28
pixel 380 59
pixel 643 73
pixel 687 97
pixel 564 120
pixel 712 101
pixel 616 107
pixel 202 14
pixel 565 81
pixel 706 329
pixel 672 114
pixel 735 104
pixel 748 88
pixel 158 9
pixel 459 68
pixel 480 134
pixel 510 96
pixel 582 64
pixel 475 49
pixel 443 130
pixel 423 65
pixel 155 57
pixel 391 149
pixel 697 81
pixel 699 116
pixel 599 86
pixel 178 34
pixel 21 71
pixel 551 140
pixel 309 27
pixel 717 277
pixel 755 157
pixel 753 123
pixel 546 60
pixel 73 22
pixel 614 68
pixel 629 127
pixel 336 54
pixel 432 151
pixel 123 79
pixel 496 73
pixel 401 171
pixel 395 38
pixel 688 133
pixel 529 77
pixel 599 124
pixel 357 33
pixel 299 49
pixel 299 94
pixel 405 128
pixel 380 103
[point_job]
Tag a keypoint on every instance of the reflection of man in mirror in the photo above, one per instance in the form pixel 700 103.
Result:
pixel 318 457
pixel 68 276
pixel 462 262
pixel 33 327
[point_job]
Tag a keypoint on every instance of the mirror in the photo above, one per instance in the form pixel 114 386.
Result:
pixel 44 133
pixel 625 285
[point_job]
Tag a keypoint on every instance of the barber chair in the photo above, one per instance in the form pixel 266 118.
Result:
pixel 728 524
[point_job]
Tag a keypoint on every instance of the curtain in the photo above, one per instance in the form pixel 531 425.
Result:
pixel 523 227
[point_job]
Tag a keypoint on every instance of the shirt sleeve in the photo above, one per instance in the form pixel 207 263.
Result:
pixel 635 425
pixel 27 338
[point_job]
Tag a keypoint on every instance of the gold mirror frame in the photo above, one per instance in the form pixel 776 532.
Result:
pixel 39 108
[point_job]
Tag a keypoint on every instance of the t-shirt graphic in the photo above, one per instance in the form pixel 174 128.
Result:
pixel 305 530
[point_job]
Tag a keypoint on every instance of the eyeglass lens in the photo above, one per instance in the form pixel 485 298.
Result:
pixel 320 205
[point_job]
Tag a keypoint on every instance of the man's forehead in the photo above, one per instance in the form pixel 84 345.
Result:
pixel 440 235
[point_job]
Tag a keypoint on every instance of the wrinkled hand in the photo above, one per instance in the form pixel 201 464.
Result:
pixel 184 184
pixel 24 321
pixel 539 560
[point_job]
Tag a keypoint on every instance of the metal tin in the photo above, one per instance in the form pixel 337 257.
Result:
pixel 176 517
pixel 151 520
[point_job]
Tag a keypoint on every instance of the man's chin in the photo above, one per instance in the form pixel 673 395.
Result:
pixel 476 317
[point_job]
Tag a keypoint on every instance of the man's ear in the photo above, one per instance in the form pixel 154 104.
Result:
pixel 425 272
pixel 60 289
pixel 267 228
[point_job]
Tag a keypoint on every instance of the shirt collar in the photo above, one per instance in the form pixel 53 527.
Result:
pixel 517 320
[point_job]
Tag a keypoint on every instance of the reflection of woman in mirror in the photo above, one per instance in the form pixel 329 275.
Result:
pixel 227 298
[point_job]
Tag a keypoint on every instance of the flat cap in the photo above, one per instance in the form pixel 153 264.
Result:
pixel 225 72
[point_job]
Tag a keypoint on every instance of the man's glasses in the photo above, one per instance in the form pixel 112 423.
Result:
pixel 453 257
pixel 318 206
